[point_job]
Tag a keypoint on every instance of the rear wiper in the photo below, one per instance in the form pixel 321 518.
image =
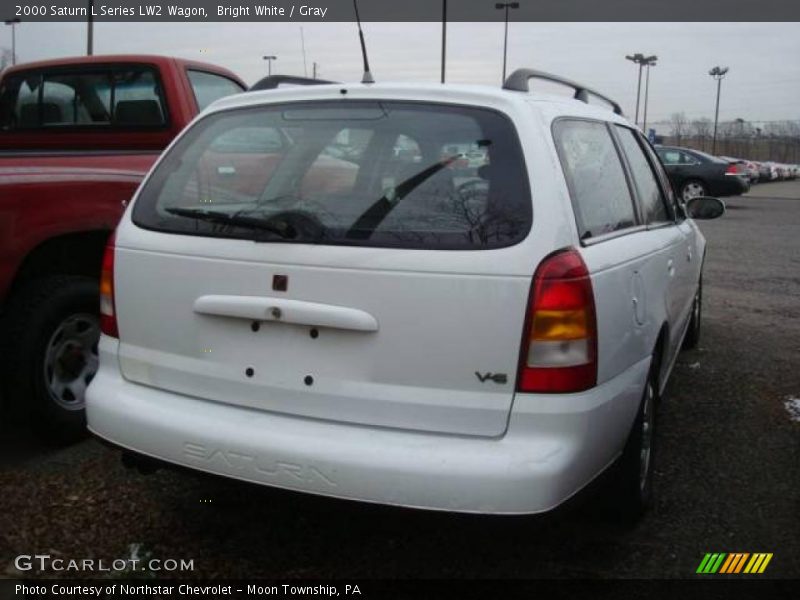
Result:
pixel 371 218
pixel 279 228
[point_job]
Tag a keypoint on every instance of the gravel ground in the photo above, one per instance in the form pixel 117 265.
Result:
pixel 727 472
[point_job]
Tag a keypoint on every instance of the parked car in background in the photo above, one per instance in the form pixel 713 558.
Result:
pixel 767 171
pixel 77 136
pixel 489 340
pixel 791 171
pixel 749 167
pixel 694 173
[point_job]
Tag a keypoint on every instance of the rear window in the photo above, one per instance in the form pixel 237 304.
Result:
pixel 389 174
pixel 99 97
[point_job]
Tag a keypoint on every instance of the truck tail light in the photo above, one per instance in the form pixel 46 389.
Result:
pixel 559 348
pixel 108 317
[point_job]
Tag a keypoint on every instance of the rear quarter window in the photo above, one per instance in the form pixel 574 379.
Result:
pixel 388 174
pixel 209 87
pixel 601 199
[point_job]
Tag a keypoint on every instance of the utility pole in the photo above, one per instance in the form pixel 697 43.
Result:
pixel 13 23
pixel 717 73
pixel 505 6
pixel 90 30
pixel 314 70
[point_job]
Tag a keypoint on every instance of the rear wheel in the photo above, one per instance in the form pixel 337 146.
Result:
pixel 693 188
pixel 692 337
pixel 54 327
pixel 632 487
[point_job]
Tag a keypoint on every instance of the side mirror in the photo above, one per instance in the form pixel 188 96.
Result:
pixel 705 207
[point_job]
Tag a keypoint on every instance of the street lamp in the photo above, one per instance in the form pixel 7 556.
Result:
pixel 641 60
pixel 269 60
pixel 505 6
pixel 717 73
pixel 651 62
pixel 13 22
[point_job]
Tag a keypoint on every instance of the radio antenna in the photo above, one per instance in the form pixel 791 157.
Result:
pixel 367 77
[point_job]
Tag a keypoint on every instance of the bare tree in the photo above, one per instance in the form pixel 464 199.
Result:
pixel 679 123
pixel 701 129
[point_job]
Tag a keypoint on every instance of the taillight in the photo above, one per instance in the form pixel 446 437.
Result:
pixel 108 317
pixel 559 349
pixel 732 169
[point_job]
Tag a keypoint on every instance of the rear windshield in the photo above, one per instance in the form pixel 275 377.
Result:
pixel 393 174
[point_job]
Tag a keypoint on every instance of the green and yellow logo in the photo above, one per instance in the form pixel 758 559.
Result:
pixel 734 563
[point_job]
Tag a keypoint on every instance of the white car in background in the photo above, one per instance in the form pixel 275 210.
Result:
pixel 405 333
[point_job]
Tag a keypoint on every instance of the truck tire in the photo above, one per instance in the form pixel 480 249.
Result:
pixel 52 331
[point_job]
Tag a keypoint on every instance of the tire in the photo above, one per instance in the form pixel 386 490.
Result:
pixel 692 337
pixel 53 327
pixel 692 188
pixel 631 491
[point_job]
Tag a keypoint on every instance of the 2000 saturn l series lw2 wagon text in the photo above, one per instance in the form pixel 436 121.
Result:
pixel 436 296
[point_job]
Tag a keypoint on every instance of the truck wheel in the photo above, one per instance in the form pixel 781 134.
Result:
pixel 692 337
pixel 53 331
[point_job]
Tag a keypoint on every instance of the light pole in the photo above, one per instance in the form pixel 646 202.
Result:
pixel 651 62
pixel 505 6
pixel 637 59
pixel 13 22
pixel 90 29
pixel 717 73
pixel 641 60
pixel 269 60
pixel 444 34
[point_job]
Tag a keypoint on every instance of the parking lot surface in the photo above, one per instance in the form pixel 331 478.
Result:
pixel 727 468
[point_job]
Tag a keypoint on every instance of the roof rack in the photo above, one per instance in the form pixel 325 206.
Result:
pixel 273 81
pixel 518 82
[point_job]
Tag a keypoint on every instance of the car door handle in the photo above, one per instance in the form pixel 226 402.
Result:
pixel 671 267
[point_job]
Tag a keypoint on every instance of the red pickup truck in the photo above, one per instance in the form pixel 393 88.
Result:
pixel 77 135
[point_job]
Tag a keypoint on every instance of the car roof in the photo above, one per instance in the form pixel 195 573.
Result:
pixel 478 95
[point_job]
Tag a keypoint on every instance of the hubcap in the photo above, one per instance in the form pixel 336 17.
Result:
pixel 647 436
pixel 693 190
pixel 70 360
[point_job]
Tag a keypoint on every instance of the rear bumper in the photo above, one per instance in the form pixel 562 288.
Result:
pixel 553 447
pixel 730 185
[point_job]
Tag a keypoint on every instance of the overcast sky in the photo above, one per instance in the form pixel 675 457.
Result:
pixel 764 58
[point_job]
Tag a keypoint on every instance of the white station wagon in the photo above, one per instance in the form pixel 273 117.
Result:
pixel 312 290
